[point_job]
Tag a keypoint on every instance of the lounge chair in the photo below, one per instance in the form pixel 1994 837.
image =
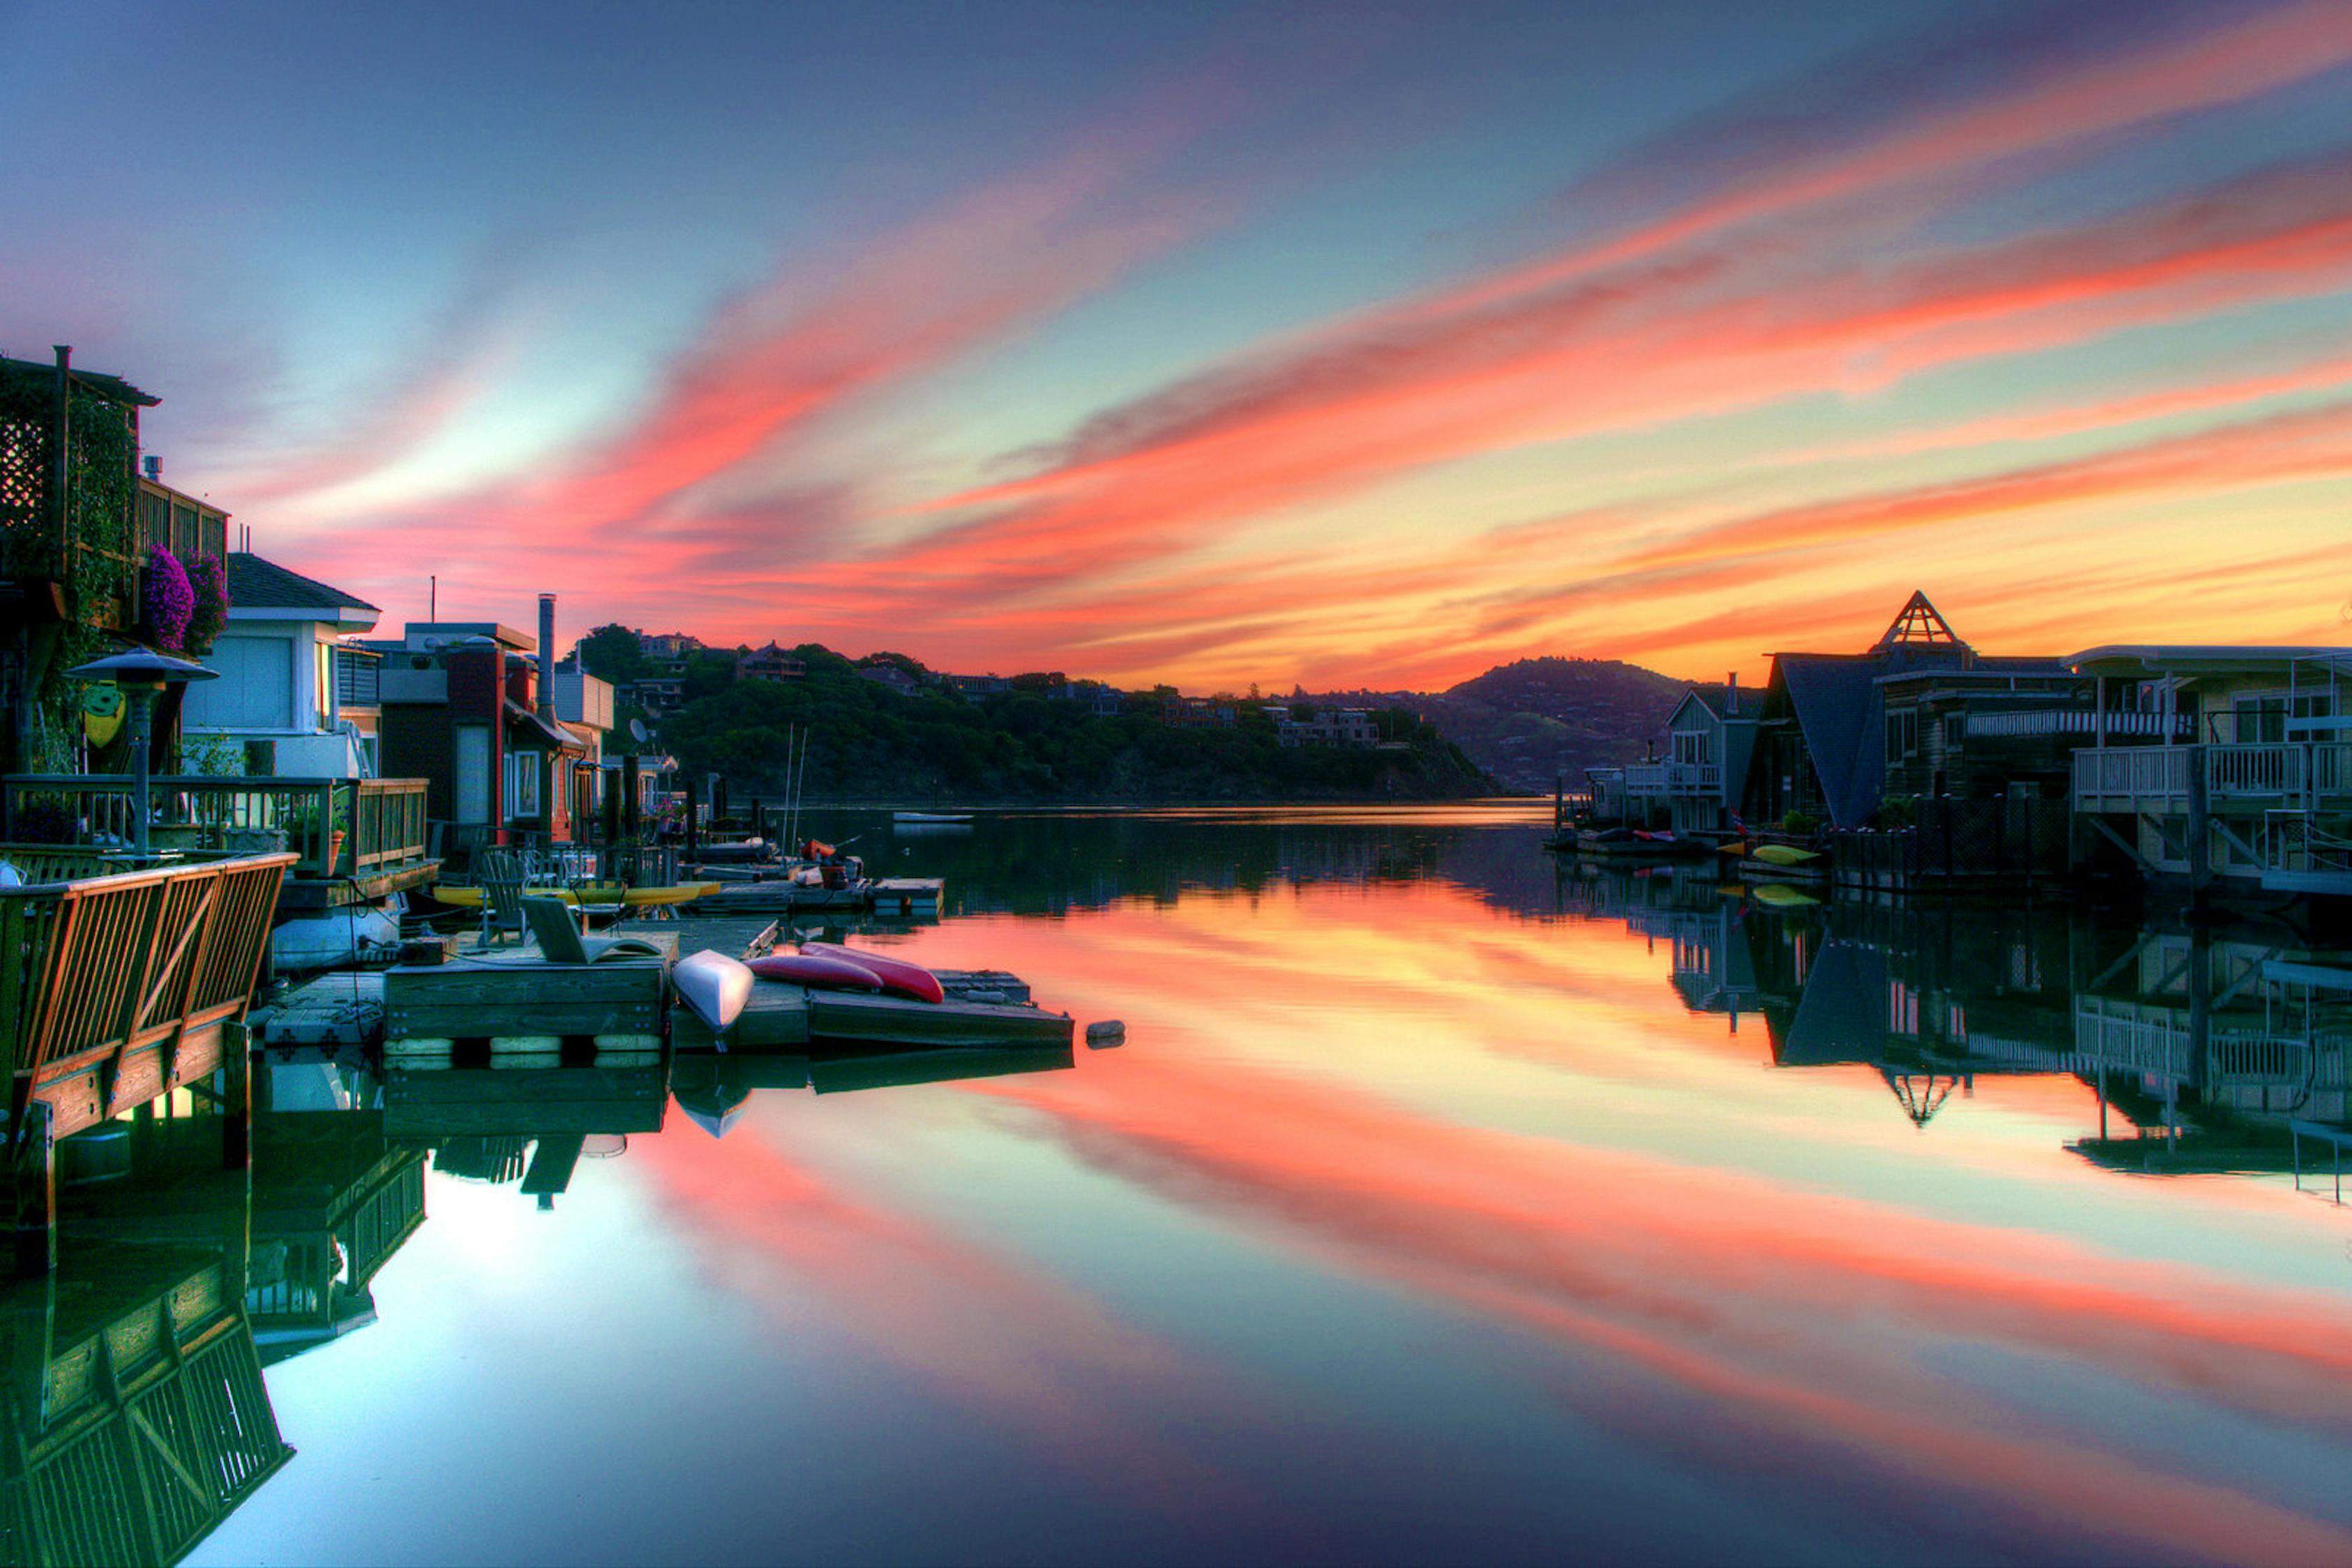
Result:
pixel 560 941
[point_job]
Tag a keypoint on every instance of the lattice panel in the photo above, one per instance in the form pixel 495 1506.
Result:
pixel 24 473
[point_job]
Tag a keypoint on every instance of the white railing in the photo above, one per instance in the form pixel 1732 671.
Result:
pixel 2331 768
pixel 2081 721
pixel 1694 778
pixel 2134 771
pixel 1646 778
pixel 2123 1037
pixel 2269 770
pixel 2263 769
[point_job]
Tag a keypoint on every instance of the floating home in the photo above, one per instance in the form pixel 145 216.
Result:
pixel 511 749
pixel 2243 777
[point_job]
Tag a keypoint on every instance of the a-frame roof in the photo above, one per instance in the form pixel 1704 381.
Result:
pixel 1918 625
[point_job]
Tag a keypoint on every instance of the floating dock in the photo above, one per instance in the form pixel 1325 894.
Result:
pixel 901 897
pixel 984 1007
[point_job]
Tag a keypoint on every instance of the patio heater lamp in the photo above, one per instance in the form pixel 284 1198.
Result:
pixel 141 675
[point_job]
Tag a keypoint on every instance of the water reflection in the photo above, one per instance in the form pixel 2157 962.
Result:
pixel 1449 1204
pixel 136 1415
pixel 2206 1045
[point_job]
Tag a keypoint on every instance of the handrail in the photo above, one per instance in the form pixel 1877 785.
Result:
pixel 92 968
pixel 337 827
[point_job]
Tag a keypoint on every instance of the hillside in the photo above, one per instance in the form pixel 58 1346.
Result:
pixel 1531 721
pixel 1018 746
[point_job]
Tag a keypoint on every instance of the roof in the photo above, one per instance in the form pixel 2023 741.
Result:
pixel 258 584
pixel 533 730
pixel 1836 703
pixel 2153 658
pixel 106 386
pixel 1918 625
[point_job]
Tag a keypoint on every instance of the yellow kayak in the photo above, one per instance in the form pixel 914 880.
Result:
pixel 465 897
pixel 1784 854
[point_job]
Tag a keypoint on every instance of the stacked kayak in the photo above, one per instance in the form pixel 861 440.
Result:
pixel 853 993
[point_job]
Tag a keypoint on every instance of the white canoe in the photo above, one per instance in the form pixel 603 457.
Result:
pixel 715 985
pixel 930 817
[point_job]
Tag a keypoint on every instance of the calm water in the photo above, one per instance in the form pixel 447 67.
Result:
pixel 1440 1205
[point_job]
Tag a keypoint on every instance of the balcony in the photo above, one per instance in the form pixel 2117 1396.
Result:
pixel 367 833
pixel 2249 778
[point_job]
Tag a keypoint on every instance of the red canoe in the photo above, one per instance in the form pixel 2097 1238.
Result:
pixel 897 975
pixel 818 969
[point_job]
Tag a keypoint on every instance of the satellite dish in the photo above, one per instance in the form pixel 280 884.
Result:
pixel 637 730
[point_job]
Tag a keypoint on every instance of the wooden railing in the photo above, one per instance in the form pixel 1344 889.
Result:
pixel 134 1440
pixel 335 827
pixel 94 970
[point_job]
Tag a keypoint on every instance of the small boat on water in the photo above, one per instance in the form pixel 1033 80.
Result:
pixel 715 985
pixel 897 975
pixel 820 970
pixel 1783 862
pixel 1638 844
pixel 930 817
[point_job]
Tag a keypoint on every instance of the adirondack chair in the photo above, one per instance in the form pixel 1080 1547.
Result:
pixel 503 873
pixel 561 942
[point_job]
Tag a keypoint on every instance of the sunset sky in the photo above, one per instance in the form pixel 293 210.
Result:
pixel 1345 346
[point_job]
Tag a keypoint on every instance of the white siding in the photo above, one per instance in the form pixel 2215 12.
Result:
pixel 256 689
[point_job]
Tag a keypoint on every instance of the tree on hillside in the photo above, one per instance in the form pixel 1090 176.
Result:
pixel 613 653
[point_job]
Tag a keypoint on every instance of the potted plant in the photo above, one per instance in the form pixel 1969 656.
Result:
pixel 310 835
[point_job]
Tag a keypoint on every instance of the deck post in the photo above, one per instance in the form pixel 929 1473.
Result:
pixel 693 825
pixel 33 1194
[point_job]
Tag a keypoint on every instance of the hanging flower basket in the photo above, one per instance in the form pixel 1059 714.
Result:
pixel 170 600
pixel 208 579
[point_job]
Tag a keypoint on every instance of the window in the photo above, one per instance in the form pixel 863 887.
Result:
pixel 473 773
pixel 522 784
pixel 1902 733
pixel 1690 747
pixel 2260 720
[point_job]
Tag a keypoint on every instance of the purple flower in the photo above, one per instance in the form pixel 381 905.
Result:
pixel 210 582
pixel 170 600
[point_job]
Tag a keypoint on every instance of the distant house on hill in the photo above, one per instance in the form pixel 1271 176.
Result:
pixel 1196 712
pixel 667 645
pixel 1330 727
pixel 890 678
pixel 769 663
pixel 979 688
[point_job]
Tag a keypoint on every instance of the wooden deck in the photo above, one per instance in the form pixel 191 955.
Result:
pixel 114 990
pixel 892 897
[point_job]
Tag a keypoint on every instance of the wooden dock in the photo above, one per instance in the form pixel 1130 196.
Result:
pixel 515 992
pixel 898 897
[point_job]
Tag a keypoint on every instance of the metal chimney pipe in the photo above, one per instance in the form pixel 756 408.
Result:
pixel 546 657
pixel 1731 694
